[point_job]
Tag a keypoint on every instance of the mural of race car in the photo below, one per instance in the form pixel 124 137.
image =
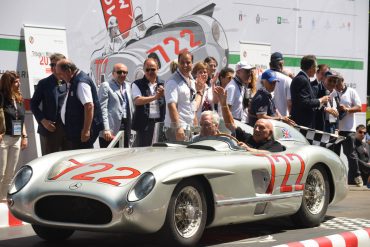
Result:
pixel 177 189
pixel 200 34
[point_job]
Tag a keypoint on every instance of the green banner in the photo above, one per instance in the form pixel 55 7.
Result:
pixel 295 62
pixel 12 45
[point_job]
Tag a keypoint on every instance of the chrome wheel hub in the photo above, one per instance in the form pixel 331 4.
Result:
pixel 188 212
pixel 314 193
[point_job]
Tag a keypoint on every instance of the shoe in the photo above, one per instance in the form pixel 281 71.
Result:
pixel 359 182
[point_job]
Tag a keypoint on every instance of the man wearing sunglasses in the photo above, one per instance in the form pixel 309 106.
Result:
pixel 50 93
pixel 363 155
pixel 150 107
pixel 117 107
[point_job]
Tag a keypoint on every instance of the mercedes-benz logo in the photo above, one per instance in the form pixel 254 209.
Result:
pixel 75 186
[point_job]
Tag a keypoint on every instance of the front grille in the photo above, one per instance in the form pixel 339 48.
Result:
pixel 73 209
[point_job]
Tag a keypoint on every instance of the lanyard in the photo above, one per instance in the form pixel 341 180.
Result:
pixel 16 109
pixel 192 92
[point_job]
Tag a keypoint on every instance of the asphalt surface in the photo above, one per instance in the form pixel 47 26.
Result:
pixel 350 214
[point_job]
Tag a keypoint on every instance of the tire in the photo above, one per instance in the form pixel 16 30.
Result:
pixel 52 234
pixel 315 199
pixel 186 215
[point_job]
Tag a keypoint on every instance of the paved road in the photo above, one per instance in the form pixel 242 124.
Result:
pixel 351 214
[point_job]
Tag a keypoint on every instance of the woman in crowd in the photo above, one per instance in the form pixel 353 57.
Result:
pixel 15 137
pixel 200 75
pixel 211 69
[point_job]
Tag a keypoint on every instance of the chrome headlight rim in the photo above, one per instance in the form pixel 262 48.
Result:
pixel 20 180
pixel 142 187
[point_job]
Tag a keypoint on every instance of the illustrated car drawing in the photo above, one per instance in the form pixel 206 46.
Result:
pixel 177 189
pixel 200 34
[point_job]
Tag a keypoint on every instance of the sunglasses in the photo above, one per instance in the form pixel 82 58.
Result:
pixel 120 72
pixel 52 65
pixel 150 70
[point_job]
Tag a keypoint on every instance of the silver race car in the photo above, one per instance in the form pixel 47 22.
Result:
pixel 177 189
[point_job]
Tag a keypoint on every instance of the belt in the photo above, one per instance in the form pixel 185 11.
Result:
pixel 154 120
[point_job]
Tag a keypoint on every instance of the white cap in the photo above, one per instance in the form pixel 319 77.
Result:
pixel 243 65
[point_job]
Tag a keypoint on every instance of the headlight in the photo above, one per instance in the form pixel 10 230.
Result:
pixel 219 35
pixel 20 179
pixel 142 187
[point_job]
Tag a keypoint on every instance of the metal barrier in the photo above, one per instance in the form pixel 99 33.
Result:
pixel 118 138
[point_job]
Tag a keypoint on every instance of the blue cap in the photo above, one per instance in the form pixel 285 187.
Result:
pixel 269 75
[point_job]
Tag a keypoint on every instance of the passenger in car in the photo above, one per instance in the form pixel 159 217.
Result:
pixel 262 138
pixel 209 122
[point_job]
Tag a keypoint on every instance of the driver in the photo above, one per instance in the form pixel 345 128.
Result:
pixel 262 138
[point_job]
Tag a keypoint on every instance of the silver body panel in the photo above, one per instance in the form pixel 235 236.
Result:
pixel 243 186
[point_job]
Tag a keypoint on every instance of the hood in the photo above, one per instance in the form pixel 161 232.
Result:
pixel 116 166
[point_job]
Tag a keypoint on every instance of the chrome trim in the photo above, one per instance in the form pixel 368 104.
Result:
pixel 258 198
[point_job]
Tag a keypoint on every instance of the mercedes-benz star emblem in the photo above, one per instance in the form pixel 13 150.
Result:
pixel 75 186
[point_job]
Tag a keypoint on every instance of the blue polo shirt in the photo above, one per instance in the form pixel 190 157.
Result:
pixel 262 103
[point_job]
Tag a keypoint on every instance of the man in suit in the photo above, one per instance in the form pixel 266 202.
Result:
pixel 117 107
pixel 46 104
pixel 81 112
pixel 304 102
pixel 362 150
pixel 326 116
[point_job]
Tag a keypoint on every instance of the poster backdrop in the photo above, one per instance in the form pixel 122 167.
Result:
pixel 40 43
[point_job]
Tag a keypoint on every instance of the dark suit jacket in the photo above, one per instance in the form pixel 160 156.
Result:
pixel 363 152
pixel 319 112
pixel 47 93
pixel 304 101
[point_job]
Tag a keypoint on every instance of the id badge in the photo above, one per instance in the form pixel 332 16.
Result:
pixel 16 127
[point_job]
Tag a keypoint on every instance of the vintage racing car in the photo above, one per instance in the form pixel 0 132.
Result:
pixel 177 189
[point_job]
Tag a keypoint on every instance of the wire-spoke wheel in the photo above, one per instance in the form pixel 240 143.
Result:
pixel 186 215
pixel 315 199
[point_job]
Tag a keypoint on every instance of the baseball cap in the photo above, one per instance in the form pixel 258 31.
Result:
pixel 269 75
pixel 332 73
pixel 243 65
pixel 276 56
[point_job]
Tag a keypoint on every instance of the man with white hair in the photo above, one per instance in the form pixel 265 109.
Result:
pixel 209 122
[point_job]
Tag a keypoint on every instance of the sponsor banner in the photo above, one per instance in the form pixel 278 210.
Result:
pixel 257 54
pixel 40 43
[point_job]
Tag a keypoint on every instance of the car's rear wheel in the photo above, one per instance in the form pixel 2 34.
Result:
pixel 186 215
pixel 52 234
pixel 315 199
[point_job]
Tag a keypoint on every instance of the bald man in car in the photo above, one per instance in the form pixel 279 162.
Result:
pixel 262 138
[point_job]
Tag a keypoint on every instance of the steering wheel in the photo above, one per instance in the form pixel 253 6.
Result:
pixel 228 136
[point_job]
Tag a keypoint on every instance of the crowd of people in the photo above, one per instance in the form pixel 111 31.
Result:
pixel 72 112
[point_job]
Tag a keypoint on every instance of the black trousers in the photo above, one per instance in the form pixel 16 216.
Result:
pixel 55 141
pixel 348 150
pixel 144 137
pixel 126 127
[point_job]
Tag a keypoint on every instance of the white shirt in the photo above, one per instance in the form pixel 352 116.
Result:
pixel 179 92
pixel 350 98
pixel 153 105
pixel 235 98
pixel 331 104
pixel 281 94
pixel 83 94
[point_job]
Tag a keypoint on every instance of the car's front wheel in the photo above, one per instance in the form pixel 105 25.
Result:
pixel 315 199
pixel 186 215
pixel 52 234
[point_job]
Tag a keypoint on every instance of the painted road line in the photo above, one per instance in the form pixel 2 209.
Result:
pixel 358 238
